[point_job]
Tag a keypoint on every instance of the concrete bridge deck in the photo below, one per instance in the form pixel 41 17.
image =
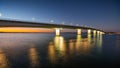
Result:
pixel 14 23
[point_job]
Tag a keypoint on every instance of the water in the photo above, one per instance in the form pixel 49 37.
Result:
pixel 42 50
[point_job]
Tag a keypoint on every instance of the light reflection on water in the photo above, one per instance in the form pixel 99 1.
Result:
pixel 60 49
pixel 28 50
pixel 57 49
pixel 34 57
pixel 3 60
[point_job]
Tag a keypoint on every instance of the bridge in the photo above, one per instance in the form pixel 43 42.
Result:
pixel 57 27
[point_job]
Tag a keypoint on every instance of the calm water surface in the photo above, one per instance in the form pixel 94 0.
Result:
pixel 42 50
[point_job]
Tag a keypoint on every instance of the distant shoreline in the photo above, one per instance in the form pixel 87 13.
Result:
pixel 117 33
pixel 114 32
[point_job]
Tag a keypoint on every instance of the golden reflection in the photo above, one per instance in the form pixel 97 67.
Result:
pixel 33 57
pixel 85 47
pixel 94 33
pixel 99 42
pixel 90 42
pixel 94 37
pixel 79 46
pixel 57 50
pixel 51 52
pixel 71 46
pixel 59 44
pixel 3 60
pixel 89 38
pixel 78 43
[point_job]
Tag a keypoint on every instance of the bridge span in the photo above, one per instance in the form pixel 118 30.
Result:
pixel 57 27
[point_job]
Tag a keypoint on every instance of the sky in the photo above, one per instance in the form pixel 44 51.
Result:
pixel 100 14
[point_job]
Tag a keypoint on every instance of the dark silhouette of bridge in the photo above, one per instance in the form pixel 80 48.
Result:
pixel 15 23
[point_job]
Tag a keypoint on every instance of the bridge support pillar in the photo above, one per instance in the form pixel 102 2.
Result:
pixel 94 33
pixel 79 31
pixel 98 32
pixel 57 31
pixel 88 33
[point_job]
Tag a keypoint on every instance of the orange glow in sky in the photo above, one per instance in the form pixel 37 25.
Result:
pixel 23 29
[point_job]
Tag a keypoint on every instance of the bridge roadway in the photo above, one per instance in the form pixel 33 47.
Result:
pixel 57 27
pixel 14 23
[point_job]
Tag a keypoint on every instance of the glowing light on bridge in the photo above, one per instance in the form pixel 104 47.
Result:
pixel 57 30
pixel 79 31
pixel 89 31
pixel 98 32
